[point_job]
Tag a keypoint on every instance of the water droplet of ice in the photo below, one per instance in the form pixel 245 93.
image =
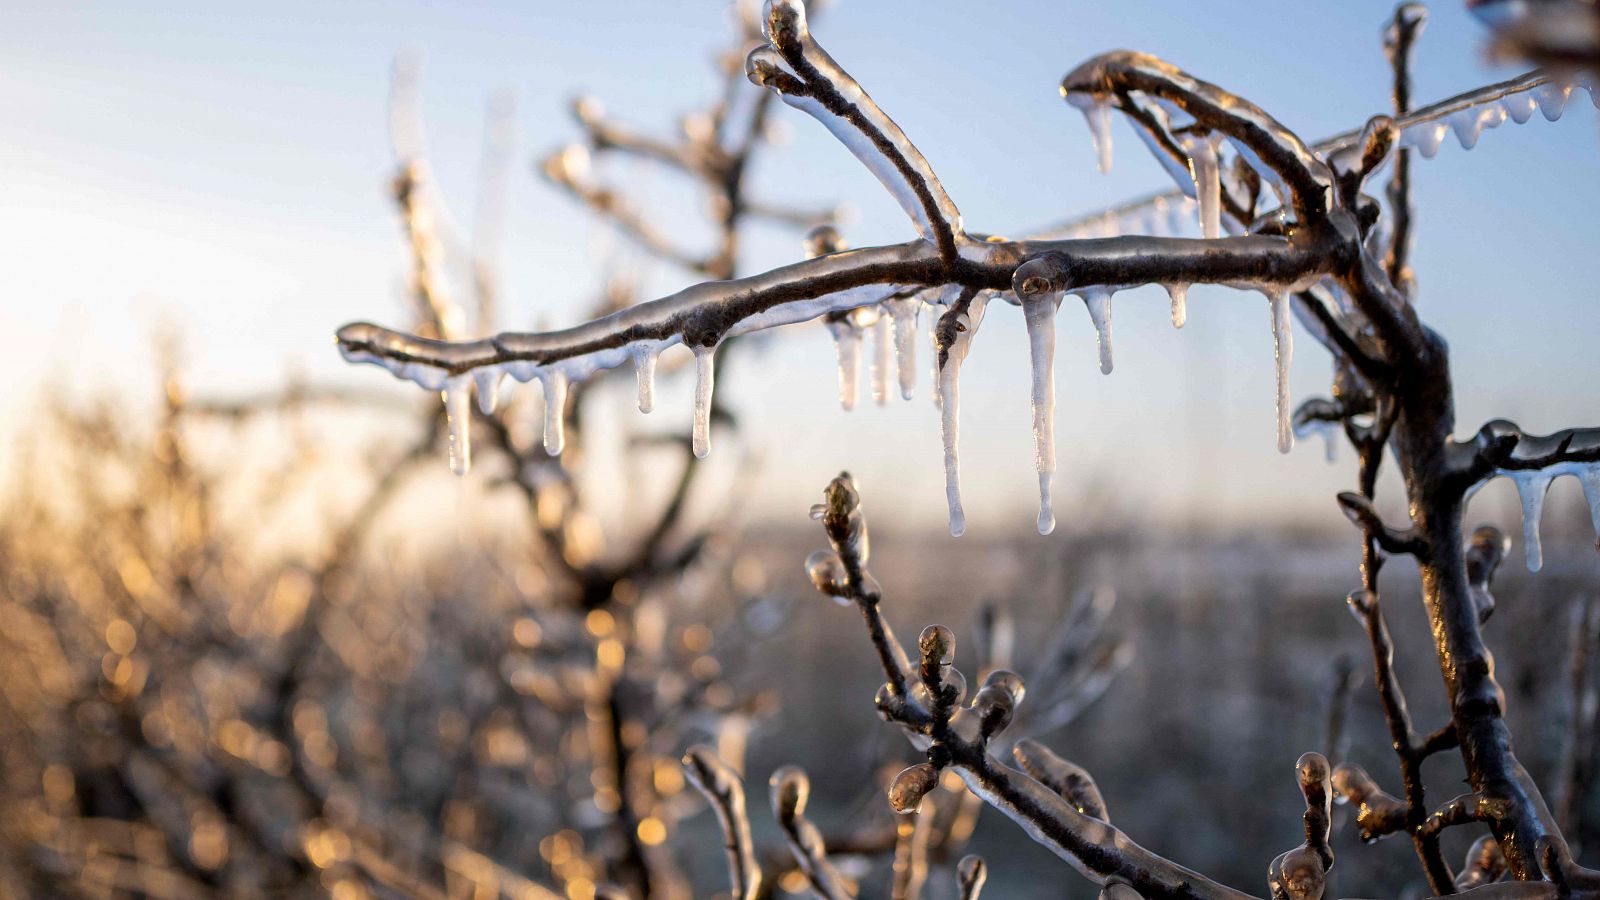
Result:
pixel 1520 106
pixel 1553 99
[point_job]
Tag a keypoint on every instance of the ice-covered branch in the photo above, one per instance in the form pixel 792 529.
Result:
pixel 1276 153
pixel 1399 40
pixel 791 789
pixel 807 78
pixel 1361 512
pixel 724 790
pixel 957 735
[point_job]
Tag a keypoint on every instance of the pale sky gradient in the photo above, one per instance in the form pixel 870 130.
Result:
pixel 226 165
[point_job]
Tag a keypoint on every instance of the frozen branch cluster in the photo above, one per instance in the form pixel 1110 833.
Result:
pixel 1303 225
pixel 1276 216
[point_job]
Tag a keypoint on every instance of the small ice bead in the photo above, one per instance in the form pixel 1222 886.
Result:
pixel 1553 99
pixel 705 372
pixel 457 395
pixel 1520 106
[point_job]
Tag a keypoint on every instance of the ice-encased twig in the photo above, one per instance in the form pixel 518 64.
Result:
pixel 724 790
pixel 791 789
pixel 807 78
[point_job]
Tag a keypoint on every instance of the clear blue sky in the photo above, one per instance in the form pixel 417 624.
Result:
pixel 225 164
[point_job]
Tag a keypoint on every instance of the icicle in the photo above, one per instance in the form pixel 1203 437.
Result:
pixel 881 359
pixel 1531 487
pixel 705 375
pixel 1098 301
pixel 932 319
pixel 555 410
pixel 1180 303
pixel 1590 477
pixel 949 392
pixel 488 381
pixel 903 312
pixel 1039 312
pixel 1520 106
pixel 847 342
pixel 644 370
pixel 1553 99
pixel 1207 177
pixel 457 395
pixel 1425 137
pixel 1283 351
pixel 1097 113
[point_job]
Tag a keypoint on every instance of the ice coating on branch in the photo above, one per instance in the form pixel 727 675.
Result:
pixel 554 382
pixel 644 371
pixel 882 358
pixel 847 345
pixel 949 390
pixel 1039 312
pixel 903 314
pixel 1330 431
pixel 705 372
pixel 1203 170
pixel 1097 113
pixel 1531 488
pixel 1098 301
pixel 1283 352
pixel 457 395
pixel 1179 294
pixel 832 97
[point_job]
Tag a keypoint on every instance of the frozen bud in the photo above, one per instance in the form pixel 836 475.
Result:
pixel 1315 777
pixel 785 22
pixel 1117 889
pixel 841 495
pixel 1040 275
pixel 971 873
pixel 1297 875
pixel 766 68
pixel 954 685
pixel 1071 781
pixel 1485 864
pixel 1361 604
pixel 1378 140
pixel 910 786
pixel 708 772
pixel 993 706
pixel 1008 681
pixel 1377 812
pixel 883 700
pixel 790 789
pixel 827 574
pixel 938 646
pixel 822 240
